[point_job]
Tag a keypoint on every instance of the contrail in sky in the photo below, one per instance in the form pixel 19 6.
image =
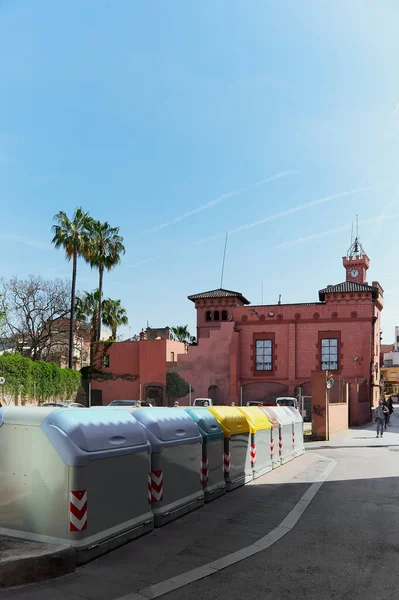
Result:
pixel 315 236
pixel 220 199
pixel 25 241
pixel 286 213
pixel 396 110
pixel 270 218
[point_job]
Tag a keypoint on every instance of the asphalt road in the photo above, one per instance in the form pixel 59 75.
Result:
pixel 346 544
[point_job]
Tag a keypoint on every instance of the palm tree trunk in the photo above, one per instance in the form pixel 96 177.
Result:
pixel 113 333
pixel 72 315
pixel 100 299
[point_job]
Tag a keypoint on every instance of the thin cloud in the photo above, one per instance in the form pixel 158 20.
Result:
pixel 286 213
pixel 316 236
pixel 12 237
pixel 219 199
pixel 267 219
pixel 396 110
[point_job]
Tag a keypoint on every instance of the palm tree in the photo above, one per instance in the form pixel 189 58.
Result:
pixel 182 334
pixel 86 308
pixel 72 235
pixel 106 248
pixel 114 315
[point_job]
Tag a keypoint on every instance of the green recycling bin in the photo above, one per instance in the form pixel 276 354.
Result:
pixel 212 470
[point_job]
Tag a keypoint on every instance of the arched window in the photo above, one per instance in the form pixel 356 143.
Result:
pixel 208 315
pixel 224 315
pixel 216 315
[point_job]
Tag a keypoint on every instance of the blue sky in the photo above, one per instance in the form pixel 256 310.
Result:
pixel 179 121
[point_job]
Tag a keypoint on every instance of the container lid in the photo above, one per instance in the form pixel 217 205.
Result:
pixel 281 414
pixel 168 425
pixel 93 430
pixel 257 419
pixel 25 415
pixel 271 416
pixel 231 420
pixel 207 423
pixel 294 413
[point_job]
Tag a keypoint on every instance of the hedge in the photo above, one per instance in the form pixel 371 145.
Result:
pixel 21 374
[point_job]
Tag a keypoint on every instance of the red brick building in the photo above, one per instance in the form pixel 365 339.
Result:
pixel 257 352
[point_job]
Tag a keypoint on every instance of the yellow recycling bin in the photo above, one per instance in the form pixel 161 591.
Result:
pixel 261 440
pixel 236 458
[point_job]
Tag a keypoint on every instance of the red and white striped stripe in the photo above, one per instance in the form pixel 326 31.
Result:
pixel 204 470
pixel 156 486
pixel 272 446
pixel 149 489
pixel 78 510
pixel 280 444
pixel 293 439
pixel 253 454
pixel 226 461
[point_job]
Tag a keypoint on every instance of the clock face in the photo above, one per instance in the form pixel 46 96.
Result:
pixel 354 273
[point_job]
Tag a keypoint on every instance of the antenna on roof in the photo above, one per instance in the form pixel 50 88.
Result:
pixel 279 299
pixel 224 259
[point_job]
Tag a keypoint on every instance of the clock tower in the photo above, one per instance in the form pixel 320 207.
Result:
pixel 356 263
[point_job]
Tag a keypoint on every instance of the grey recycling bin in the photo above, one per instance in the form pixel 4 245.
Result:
pixel 261 439
pixel 299 446
pixel 212 472
pixel 74 476
pixel 237 445
pixel 176 443
pixel 286 446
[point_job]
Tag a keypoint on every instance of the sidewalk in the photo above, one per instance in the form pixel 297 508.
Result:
pixel 226 525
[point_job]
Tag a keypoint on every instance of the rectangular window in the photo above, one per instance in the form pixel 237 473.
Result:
pixel 264 355
pixel 329 354
pixel 105 360
pixel 208 316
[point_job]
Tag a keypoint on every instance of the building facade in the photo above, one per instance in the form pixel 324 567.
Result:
pixel 135 370
pixel 248 353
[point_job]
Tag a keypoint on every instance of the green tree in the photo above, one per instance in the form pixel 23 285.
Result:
pixel 106 249
pixel 181 333
pixel 176 386
pixel 73 236
pixel 86 308
pixel 114 315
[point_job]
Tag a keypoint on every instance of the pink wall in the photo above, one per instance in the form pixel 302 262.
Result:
pixel 146 360
pixel 209 363
pixel 338 418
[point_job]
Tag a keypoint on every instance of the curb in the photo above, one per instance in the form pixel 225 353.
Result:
pixel 37 565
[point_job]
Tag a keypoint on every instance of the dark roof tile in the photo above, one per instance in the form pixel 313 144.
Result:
pixel 348 287
pixel 219 293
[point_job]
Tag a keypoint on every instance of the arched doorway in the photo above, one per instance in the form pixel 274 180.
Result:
pixel 263 391
pixel 154 393
pixel 213 393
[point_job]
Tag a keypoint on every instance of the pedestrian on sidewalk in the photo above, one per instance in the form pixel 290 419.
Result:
pixel 379 417
pixel 387 412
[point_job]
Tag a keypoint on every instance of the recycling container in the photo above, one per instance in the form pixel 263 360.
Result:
pixel 297 436
pixel 285 422
pixel 176 443
pixel 275 438
pixel 237 441
pixel 212 473
pixel 74 476
pixel 260 449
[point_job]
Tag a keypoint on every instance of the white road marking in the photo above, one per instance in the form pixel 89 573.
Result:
pixel 169 585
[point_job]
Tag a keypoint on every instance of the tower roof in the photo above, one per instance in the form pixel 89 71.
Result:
pixel 348 286
pixel 219 293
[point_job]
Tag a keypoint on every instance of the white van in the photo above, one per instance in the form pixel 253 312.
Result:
pixel 287 401
pixel 202 402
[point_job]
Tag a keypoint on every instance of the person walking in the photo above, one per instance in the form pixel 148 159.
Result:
pixel 379 417
pixel 387 412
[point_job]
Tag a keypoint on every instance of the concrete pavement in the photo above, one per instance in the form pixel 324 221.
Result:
pixel 344 544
